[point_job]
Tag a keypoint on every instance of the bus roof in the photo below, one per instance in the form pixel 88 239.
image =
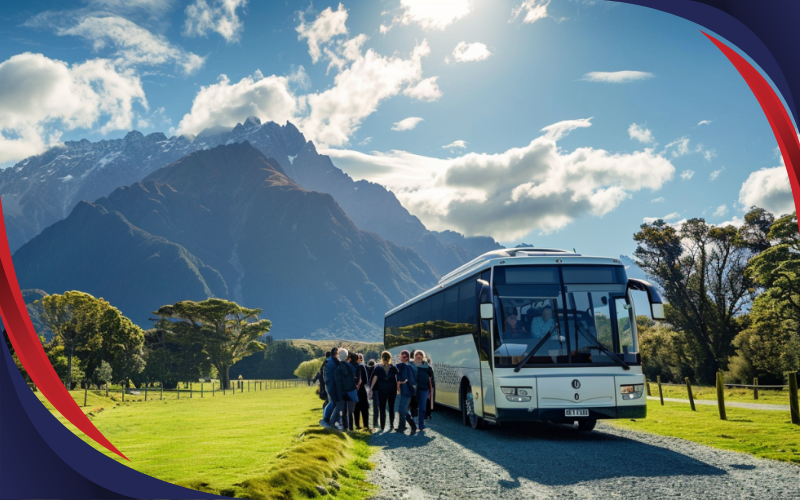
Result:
pixel 510 256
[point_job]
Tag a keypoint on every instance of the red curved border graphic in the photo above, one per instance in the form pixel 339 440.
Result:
pixel 31 354
pixel 773 108
pixel 30 351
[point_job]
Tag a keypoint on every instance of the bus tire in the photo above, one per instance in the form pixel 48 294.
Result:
pixel 586 425
pixel 468 407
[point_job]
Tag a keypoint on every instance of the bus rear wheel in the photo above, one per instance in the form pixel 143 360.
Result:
pixel 586 425
pixel 468 414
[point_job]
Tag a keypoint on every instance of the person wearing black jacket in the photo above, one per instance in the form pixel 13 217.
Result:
pixel 362 407
pixel 384 382
pixel 373 396
pixel 346 391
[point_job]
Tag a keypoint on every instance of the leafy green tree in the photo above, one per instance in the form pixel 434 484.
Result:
pixel 102 374
pixel 769 346
pixel 278 361
pixel 701 269
pixel 664 351
pixel 226 331
pixel 308 369
pixel 73 318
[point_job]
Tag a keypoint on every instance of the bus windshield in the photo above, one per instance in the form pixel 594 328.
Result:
pixel 556 315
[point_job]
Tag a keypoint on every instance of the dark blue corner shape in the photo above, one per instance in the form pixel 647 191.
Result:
pixel 765 30
pixel 40 458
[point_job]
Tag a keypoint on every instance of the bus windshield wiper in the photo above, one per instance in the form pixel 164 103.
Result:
pixel 533 351
pixel 600 346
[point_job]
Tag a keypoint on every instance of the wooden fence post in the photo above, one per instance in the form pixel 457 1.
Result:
pixel 212 389
pixel 122 387
pixel 691 398
pixel 161 384
pixel 85 391
pixel 647 386
pixel 721 396
pixel 660 392
pixel 106 389
pixel 201 389
pixel 178 388
pixel 795 409
pixel 145 390
pixel 190 390
pixel 755 388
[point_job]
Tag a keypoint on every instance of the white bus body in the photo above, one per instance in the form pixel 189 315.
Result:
pixel 582 356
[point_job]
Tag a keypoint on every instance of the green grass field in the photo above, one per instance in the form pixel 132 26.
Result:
pixel 765 396
pixel 765 434
pixel 229 444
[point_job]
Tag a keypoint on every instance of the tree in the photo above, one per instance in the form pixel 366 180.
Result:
pixel 770 346
pixel 278 361
pixel 73 317
pixel 701 269
pixel 308 369
pixel 225 330
pixel 102 374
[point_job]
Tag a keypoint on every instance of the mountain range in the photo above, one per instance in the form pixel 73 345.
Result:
pixel 43 189
pixel 228 222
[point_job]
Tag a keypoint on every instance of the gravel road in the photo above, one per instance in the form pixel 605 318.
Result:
pixel 536 461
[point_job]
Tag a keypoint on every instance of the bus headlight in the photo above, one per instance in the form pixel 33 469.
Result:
pixel 631 391
pixel 517 394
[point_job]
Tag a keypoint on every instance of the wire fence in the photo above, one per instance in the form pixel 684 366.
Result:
pixel 190 390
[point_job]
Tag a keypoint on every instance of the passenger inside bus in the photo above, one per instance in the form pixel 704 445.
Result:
pixel 514 329
pixel 541 325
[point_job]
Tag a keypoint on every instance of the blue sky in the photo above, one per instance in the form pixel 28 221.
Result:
pixel 384 86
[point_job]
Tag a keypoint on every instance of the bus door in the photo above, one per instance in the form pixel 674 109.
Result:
pixel 485 351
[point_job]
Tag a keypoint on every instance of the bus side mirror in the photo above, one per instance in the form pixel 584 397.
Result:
pixel 485 300
pixel 656 305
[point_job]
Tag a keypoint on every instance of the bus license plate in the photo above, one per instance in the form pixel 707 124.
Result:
pixel 576 413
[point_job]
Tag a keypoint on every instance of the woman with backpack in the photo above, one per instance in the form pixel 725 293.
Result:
pixel 384 383
pixel 373 396
pixel 346 391
pixel 424 385
pixel 362 407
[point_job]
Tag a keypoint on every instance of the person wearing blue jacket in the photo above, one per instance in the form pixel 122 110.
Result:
pixel 407 380
pixel 330 385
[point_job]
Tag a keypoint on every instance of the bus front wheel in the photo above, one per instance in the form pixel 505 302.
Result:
pixel 468 414
pixel 586 425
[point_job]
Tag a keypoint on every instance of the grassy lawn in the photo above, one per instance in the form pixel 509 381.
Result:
pixel 765 396
pixel 765 434
pixel 228 444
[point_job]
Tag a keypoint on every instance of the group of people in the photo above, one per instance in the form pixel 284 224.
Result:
pixel 349 386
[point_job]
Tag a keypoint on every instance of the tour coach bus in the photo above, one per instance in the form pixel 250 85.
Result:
pixel 527 334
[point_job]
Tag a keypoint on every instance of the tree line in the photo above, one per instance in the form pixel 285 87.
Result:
pixel 733 298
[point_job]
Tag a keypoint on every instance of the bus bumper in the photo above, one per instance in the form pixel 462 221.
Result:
pixel 556 415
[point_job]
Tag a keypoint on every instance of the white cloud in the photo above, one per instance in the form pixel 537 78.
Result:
pixel 129 43
pixel 329 117
pixel 735 222
pixel 687 174
pixel 681 147
pixel 429 14
pixel 705 122
pixel 407 124
pixel 666 218
pixel 337 112
pixel 459 144
pixel 721 211
pixel 709 154
pixel 365 141
pixel 534 10
pixel 325 27
pixel 713 175
pixel 219 16
pixel 425 90
pixel 660 199
pixel 768 188
pixel 509 194
pixel 642 135
pixel 617 76
pixel 223 103
pixel 40 97
pixel 559 130
pixel 466 52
